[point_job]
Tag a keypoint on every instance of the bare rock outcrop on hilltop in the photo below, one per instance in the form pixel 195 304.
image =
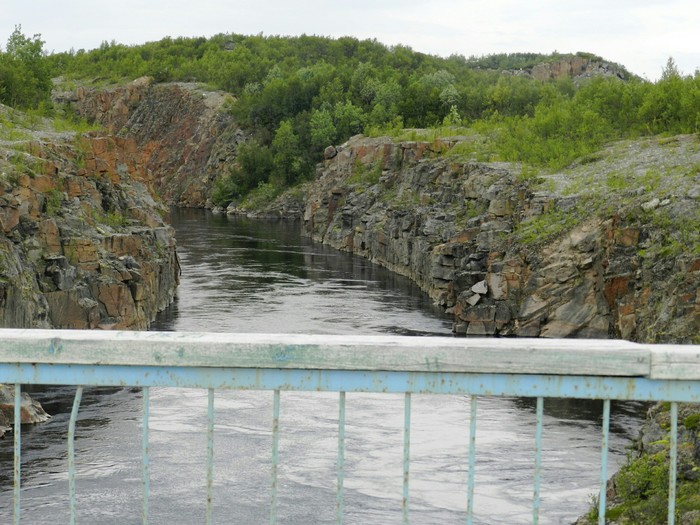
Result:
pixel 575 67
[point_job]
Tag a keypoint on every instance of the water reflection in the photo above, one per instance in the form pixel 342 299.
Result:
pixel 247 275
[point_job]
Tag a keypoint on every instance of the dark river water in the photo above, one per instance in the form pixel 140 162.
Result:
pixel 241 275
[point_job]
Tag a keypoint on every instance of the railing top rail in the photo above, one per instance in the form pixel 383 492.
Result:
pixel 583 357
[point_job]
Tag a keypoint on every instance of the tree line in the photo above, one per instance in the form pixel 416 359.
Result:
pixel 297 95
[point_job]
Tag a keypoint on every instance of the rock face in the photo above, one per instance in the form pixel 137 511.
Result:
pixel 31 410
pixel 575 67
pixel 82 241
pixel 460 230
pixel 179 134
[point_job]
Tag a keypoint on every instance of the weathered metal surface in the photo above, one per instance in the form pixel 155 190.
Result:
pixel 527 385
pixel 539 421
pixel 602 492
pixel 71 453
pixel 536 368
pixel 472 460
pixel 673 465
pixel 405 500
pixel 275 455
pixel 340 496
pixel 210 455
pixel 17 469
pixel 324 352
pixel 146 455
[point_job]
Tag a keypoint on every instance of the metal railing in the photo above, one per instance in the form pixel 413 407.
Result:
pixel 537 368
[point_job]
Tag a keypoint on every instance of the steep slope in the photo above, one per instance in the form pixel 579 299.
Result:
pixel 609 247
pixel 82 241
pixel 181 135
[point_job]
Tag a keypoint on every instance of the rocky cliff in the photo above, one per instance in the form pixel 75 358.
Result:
pixel 607 248
pixel 182 136
pixel 82 241
pixel 575 67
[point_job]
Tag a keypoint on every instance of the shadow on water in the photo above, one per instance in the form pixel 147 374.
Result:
pixel 624 420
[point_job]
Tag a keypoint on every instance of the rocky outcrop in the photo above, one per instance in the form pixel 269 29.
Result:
pixel 30 410
pixel 82 241
pixel 575 67
pixel 181 135
pixel 500 254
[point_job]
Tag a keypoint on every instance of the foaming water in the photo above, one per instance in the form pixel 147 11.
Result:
pixel 256 276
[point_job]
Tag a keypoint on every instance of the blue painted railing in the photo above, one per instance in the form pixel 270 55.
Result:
pixel 538 368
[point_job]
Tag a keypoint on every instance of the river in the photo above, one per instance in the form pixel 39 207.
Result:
pixel 241 275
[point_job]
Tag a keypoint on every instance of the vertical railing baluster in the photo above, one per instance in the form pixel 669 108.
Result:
pixel 538 461
pixel 71 452
pixel 275 454
pixel 18 453
pixel 145 453
pixel 672 465
pixel 604 463
pixel 210 453
pixel 406 454
pixel 472 461
pixel 340 501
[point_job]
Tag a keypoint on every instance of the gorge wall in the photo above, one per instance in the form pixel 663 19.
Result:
pixel 183 138
pixel 83 244
pixel 496 248
pixel 478 238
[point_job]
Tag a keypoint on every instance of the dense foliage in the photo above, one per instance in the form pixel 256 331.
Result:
pixel 297 95
pixel 25 79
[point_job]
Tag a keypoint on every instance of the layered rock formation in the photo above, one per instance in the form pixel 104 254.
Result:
pixel 82 241
pixel 476 236
pixel 500 253
pixel 182 135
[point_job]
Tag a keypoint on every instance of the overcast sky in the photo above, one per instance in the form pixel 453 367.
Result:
pixel 640 34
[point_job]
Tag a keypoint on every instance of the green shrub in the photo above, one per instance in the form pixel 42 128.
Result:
pixel 692 421
pixel 547 226
pixel 53 202
pixel 225 191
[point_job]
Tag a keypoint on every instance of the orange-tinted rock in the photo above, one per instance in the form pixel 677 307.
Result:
pixel 9 218
pixel 627 236
pixel 615 288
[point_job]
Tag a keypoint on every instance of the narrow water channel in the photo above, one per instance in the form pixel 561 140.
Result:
pixel 256 276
